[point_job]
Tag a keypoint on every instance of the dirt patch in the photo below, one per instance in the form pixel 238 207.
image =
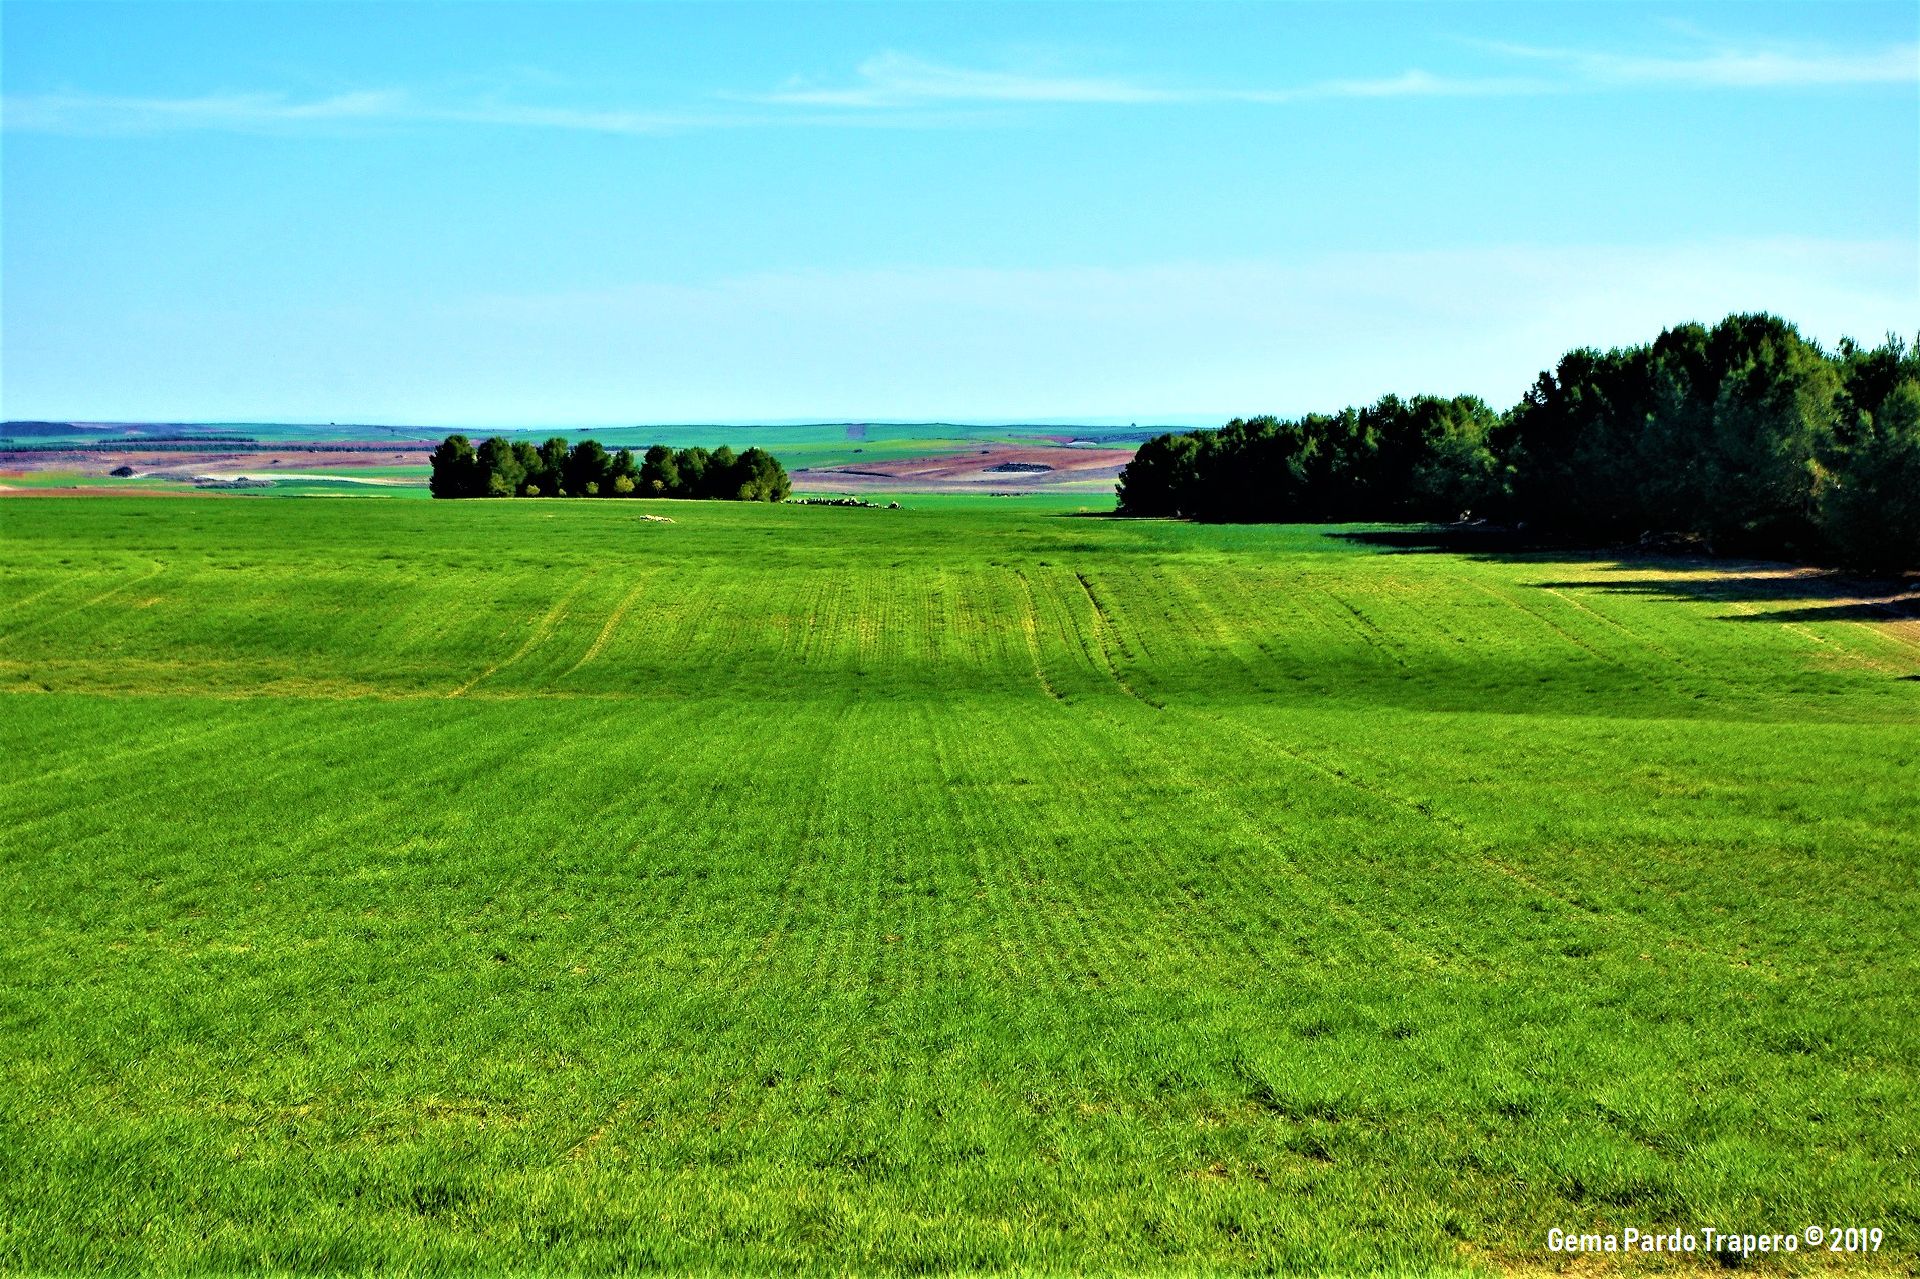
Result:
pixel 1026 468
pixel 109 490
pixel 187 462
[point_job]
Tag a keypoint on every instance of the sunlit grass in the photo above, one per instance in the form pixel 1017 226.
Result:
pixel 970 886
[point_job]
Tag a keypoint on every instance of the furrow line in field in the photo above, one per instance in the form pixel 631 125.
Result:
pixel 1466 840
pixel 1010 872
pixel 1255 826
pixel 430 769
pixel 1102 629
pixel 816 628
pixel 166 782
pixel 1896 628
pixel 102 762
pixel 19 603
pixel 1199 607
pixel 1717 679
pixel 1087 936
pixel 95 602
pixel 1545 621
pixel 802 869
pixel 541 631
pixel 1375 638
pixel 1151 861
pixel 1187 920
pixel 1029 628
pixel 1638 638
pixel 612 624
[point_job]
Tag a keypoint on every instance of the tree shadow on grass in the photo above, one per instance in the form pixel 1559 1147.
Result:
pixel 1801 595
pixel 1871 611
pixel 1798 592
pixel 1461 539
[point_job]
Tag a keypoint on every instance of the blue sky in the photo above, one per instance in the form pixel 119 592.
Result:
pixel 490 214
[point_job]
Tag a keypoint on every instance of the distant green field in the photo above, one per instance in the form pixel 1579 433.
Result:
pixel 976 886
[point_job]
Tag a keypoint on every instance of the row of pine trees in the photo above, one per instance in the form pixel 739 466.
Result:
pixel 1745 434
pixel 506 468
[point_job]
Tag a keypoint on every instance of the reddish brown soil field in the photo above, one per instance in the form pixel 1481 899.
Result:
pixel 996 467
pixel 104 490
pixel 186 463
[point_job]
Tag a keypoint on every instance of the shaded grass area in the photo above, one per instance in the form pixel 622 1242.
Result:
pixel 486 885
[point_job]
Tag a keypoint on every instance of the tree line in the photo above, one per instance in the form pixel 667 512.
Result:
pixel 510 468
pixel 1746 435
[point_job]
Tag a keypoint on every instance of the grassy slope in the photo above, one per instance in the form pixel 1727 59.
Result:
pixel 963 886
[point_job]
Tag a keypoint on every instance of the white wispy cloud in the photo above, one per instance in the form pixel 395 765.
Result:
pixel 106 113
pixel 91 114
pixel 894 80
pixel 897 80
pixel 894 89
pixel 1724 66
pixel 268 112
pixel 1408 84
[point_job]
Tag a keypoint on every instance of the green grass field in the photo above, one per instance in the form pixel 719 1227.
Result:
pixel 522 885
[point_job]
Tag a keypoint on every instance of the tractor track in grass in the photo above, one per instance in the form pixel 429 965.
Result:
pixel 1461 834
pixel 1375 639
pixel 541 631
pixel 1478 848
pixel 155 784
pixel 756 962
pixel 612 624
pixel 1559 630
pixel 1639 639
pixel 1647 643
pixel 1258 823
pixel 19 603
pixel 159 567
pixel 1255 826
pixel 1004 884
pixel 1029 628
pixel 201 734
pixel 1104 631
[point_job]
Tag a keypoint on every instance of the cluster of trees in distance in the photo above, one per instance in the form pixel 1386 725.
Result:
pixel 1745 434
pixel 518 468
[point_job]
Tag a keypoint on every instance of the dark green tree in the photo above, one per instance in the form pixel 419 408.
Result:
pixel 501 467
pixel 624 467
pixel 1745 432
pixel 1869 508
pixel 527 454
pixel 761 477
pixel 722 479
pixel 1161 478
pixel 659 473
pixel 550 477
pixel 588 471
pixel 1773 415
pixel 691 465
pixel 1453 471
pixel 455 469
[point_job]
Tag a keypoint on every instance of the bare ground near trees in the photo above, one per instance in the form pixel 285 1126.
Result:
pixel 996 467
